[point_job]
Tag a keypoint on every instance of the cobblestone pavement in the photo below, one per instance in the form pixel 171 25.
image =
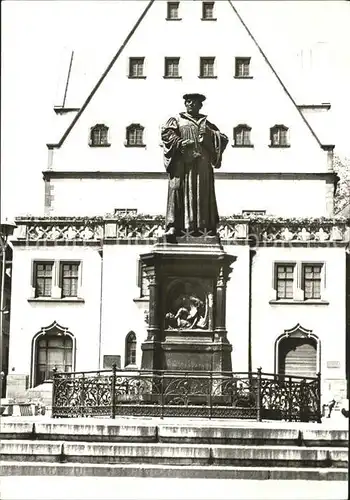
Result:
pixel 97 488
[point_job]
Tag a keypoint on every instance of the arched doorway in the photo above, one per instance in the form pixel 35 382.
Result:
pixel 297 352
pixel 53 348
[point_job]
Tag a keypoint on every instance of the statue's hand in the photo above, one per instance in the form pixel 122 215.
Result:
pixel 185 143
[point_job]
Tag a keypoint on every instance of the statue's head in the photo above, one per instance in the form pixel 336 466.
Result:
pixel 193 103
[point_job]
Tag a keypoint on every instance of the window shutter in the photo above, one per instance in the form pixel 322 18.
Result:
pixel 300 358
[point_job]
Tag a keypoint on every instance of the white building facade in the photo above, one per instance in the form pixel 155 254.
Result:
pixel 79 301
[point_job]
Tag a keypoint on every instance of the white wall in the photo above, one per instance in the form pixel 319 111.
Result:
pixel 29 317
pixel 287 197
pixel 327 321
pixel 260 102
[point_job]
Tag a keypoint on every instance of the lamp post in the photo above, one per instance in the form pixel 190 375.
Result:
pixel 6 230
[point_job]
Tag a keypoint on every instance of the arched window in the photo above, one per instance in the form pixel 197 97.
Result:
pixel 99 136
pixel 241 136
pixel 279 136
pixel 134 135
pixel 298 353
pixel 130 349
pixel 53 348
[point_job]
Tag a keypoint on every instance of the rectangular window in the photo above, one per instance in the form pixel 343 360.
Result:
pixel 173 10
pixel 123 212
pixel 69 279
pixel 242 67
pixel 279 136
pixel 143 281
pixel 242 136
pixel 99 135
pixel 171 67
pixel 43 279
pixel 136 67
pixel 207 67
pixel 131 360
pixel 135 136
pixel 208 10
pixel 312 281
pixel 253 212
pixel 284 280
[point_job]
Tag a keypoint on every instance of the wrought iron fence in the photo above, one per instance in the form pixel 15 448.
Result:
pixel 254 395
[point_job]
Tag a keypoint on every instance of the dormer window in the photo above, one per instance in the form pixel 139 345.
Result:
pixel 173 11
pixel 99 136
pixel 134 135
pixel 279 136
pixel 207 67
pixel 171 69
pixel 208 11
pixel 136 67
pixel 242 67
pixel 241 136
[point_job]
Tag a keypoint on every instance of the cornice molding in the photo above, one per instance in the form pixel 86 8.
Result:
pixel 84 174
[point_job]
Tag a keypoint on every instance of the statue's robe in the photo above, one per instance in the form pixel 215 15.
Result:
pixel 191 201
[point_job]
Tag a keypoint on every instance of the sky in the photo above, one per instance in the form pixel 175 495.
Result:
pixel 35 33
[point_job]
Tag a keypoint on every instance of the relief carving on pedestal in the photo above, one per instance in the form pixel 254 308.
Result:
pixel 186 306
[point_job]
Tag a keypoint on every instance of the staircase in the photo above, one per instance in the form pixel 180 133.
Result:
pixel 157 448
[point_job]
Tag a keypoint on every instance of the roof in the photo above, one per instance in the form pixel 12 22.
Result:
pixel 84 70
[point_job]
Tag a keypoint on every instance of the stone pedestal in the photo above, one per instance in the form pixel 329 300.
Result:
pixel 187 305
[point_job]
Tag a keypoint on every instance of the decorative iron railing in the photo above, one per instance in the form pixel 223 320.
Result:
pixel 186 394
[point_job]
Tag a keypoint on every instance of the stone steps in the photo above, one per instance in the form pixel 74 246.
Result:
pixel 168 454
pixel 154 448
pixel 181 433
pixel 157 471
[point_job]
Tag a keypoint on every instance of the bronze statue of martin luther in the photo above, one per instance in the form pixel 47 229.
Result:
pixel 192 148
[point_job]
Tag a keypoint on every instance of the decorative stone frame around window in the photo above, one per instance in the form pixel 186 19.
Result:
pixel 173 11
pixel 208 11
pixel 242 136
pixel 68 349
pixel 134 136
pixel 98 137
pixel 284 280
pixel 53 288
pixel 42 277
pixel 171 67
pixel 142 281
pixel 279 137
pixel 136 67
pixel 298 331
pixel 69 278
pixel 302 288
pixel 207 67
pixel 242 68
pixel 311 280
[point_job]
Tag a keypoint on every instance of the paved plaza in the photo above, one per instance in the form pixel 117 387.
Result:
pixel 96 488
